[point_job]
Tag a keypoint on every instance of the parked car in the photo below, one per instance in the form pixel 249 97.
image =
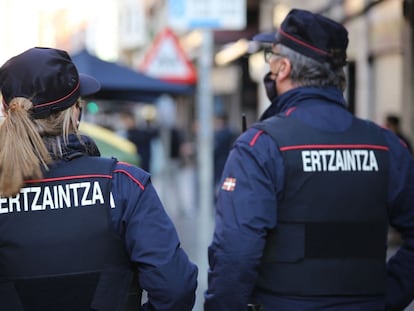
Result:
pixel 110 144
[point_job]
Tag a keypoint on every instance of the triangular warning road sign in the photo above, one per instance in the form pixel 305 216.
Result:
pixel 167 61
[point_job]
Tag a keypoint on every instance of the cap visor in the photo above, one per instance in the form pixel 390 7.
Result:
pixel 88 85
pixel 267 37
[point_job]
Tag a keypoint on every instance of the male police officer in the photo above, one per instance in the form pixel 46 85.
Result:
pixel 308 192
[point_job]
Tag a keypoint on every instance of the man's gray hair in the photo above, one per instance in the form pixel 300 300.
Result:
pixel 309 72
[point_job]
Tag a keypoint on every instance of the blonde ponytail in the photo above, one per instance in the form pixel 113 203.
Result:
pixel 23 153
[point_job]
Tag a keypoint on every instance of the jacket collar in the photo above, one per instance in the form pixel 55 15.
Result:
pixel 301 95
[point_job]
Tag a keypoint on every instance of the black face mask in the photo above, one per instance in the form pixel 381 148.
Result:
pixel 270 86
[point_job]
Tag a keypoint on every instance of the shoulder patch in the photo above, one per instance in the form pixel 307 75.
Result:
pixel 229 184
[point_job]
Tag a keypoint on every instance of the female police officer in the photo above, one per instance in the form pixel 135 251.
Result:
pixel 77 232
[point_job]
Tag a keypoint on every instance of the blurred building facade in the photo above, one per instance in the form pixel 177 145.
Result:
pixel 380 56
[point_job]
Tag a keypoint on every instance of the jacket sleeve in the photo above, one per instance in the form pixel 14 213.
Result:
pixel 164 269
pixel 245 210
pixel 400 267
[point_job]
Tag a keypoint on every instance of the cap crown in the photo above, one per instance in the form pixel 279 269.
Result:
pixel 315 36
pixel 45 76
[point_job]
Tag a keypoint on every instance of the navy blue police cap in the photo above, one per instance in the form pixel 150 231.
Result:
pixel 47 77
pixel 312 35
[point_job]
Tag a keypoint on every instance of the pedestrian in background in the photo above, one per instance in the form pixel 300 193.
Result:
pixel 142 136
pixel 77 231
pixel 308 192
pixel 392 122
pixel 224 137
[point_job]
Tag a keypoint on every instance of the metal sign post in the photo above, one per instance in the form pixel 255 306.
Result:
pixel 205 129
pixel 204 152
pixel 205 15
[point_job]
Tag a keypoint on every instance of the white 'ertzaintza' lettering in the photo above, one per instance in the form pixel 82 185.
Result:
pixel 339 160
pixel 31 199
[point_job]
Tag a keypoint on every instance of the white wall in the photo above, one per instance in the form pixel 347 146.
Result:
pixel 388 86
pixel 376 43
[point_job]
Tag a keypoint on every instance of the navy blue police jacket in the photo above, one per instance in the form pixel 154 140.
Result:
pixel 247 210
pixel 129 227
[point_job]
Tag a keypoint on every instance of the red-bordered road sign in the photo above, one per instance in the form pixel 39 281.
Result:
pixel 166 60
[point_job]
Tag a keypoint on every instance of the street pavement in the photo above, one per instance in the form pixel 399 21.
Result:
pixel 195 227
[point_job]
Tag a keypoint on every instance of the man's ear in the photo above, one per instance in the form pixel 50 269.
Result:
pixel 285 69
